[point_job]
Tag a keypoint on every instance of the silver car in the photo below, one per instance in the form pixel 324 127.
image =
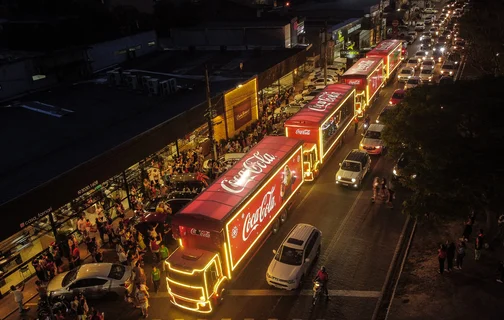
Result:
pixel 426 75
pixel 412 63
pixel 405 74
pixel 413 82
pixel 93 280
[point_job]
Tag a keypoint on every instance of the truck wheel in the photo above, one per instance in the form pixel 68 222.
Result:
pixel 283 216
pixel 276 226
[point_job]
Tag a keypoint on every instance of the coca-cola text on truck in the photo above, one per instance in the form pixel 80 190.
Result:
pixel 220 228
pixel 322 125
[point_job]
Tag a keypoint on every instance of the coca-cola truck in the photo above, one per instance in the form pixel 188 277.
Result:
pixel 221 228
pixel 391 51
pixel 322 125
pixel 367 75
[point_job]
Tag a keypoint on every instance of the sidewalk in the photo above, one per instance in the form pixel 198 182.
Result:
pixel 9 307
pixel 471 293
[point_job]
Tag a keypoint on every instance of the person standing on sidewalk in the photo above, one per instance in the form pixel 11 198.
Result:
pixel 478 245
pixel 155 278
pixel 450 254
pixel 376 184
pixel 461 251
pixel 163 252
pixel 18 297
pixel 356 124
pixel 441 258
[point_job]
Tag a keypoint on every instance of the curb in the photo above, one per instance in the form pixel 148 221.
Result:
pixel 389 272
pixel 401 269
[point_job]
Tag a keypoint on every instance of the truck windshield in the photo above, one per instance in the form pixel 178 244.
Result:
pixel 192 280
pixel 289 255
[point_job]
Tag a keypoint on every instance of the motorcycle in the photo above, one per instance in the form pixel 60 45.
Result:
pixel 44 307
pixel 317 290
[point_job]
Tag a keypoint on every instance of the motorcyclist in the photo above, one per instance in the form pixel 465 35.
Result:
pixel 367 121
pixel 323 278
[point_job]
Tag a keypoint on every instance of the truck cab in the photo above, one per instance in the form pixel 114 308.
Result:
pixel 195 279
pixel 311 161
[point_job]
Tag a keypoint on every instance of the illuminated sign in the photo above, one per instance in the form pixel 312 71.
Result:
pixel 251 167
pixel 352 29
pixel 323 101
pixel 201 233
pixel 354 82
pixel 385 45
pixel 349 53
pixel 303 132
pixel 242 114
pixel 247 226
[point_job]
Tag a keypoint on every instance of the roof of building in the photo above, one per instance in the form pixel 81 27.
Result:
pixel 48 133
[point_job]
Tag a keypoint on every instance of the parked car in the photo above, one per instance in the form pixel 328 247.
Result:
pixel 426 43
pixel 454 57
pixel 383 113
pixel 310 95
pixel 93 280
pixel 295 257
pixel 413 34
pixel 405 73
pixel 413 82
pixel 398 170
pixel 420 26
pixel 321 84
pixel 353 169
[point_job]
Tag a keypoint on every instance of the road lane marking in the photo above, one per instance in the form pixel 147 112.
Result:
pixel 281 293
pixel 284 293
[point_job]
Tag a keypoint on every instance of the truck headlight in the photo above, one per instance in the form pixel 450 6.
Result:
pixel 353 180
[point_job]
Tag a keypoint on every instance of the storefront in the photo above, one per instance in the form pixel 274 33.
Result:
pixel 346 42
pixel 281 77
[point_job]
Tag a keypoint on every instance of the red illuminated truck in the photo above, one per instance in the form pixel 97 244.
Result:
pixel 221 228
pixel 391 51
pixel 321 124
pixel 367 75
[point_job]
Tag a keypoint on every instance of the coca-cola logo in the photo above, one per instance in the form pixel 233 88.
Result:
pixel 201 233
pixel 364 65
pixel 384 46
pixel 254 219
pixel 251 167
pixel 242 114
pixel 323 101
pixel 353 82
pixel 303 132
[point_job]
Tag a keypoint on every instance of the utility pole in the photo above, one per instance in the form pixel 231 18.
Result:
pixel 325 53
pixel 381 21
pixel 210 115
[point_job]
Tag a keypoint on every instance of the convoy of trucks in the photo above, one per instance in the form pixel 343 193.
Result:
pixel 221 228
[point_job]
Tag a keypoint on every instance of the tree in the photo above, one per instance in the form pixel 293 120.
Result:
pixel 483 29
pixel 451 136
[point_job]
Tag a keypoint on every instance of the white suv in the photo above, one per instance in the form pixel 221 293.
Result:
pixel 294 257
pixel 372 142
pixel 353 169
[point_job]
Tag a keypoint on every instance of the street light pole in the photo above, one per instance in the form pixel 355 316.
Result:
pixel 210 114
pixel 325 53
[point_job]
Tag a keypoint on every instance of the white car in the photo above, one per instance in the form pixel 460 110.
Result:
pixel 92 279
pixel 353 169
pixel 413 82
pixel 372 142
pixel 426 75
pixel 420 26
pixel 433 32
pixel 427 64
pixel 422 55
pixel 412 63
pixel 413 34
pixel 430 10
pixel 405 73
pixel 319 82
pixel 448 69
pixel 294 258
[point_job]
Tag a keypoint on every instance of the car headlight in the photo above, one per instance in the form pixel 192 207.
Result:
pixel 339 177
pixel 394 172
pixel 451 72
pixel 378 147
pixel 353 180
pixel 268 275
pixel 291 281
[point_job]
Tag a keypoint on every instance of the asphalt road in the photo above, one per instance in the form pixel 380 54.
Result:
pixel 358 243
